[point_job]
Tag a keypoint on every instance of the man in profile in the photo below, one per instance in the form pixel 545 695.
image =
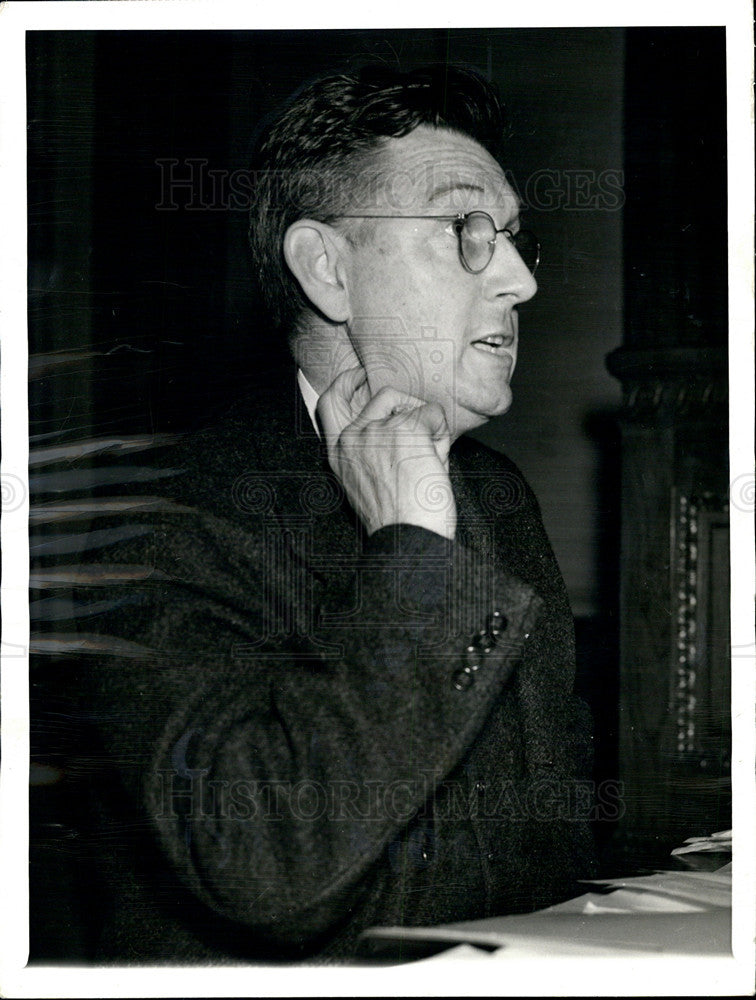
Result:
pixel 336 681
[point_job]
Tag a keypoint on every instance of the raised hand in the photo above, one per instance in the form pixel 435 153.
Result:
pixel 390 452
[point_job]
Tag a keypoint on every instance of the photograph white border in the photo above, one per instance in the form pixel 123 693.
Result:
pixel 557 976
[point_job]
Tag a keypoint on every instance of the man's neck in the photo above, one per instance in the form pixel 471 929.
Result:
pixel 322 352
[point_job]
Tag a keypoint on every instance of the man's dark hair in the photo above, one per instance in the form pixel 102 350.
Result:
pixel 316 159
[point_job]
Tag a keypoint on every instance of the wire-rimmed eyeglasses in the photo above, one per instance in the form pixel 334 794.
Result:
pixel 476 235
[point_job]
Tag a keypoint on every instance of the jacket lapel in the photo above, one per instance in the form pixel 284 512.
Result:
pixel 309 502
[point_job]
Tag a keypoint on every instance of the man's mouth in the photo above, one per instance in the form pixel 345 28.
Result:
pixel 494 343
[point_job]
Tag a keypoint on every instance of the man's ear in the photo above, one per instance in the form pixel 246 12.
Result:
pixel 313 252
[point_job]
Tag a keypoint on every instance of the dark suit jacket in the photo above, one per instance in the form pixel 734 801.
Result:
pixel 303 731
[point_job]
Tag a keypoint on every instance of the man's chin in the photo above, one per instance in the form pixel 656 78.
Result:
pixel 467 418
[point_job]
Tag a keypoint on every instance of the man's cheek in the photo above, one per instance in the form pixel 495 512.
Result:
pixel 389 353
pixel 422 366
pixel 438 366
pixel 388 368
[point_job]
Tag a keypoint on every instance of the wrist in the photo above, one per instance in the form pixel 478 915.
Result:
pixel 445 527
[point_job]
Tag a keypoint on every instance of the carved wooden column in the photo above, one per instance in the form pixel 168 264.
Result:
pixel 674 618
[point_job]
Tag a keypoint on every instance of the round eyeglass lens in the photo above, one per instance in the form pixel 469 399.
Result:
pixel 477 240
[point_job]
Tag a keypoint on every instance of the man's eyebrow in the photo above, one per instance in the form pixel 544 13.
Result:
pixel 449 186
pixel 443 189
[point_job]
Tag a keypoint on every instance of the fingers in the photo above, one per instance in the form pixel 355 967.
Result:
pixel 383 448
pixel 348 401
pixel 342 401
pixel 400 411
pixel 387 402
pixel 347 404
pixel 434 419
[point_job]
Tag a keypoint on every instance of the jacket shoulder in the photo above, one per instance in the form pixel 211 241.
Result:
pixel 477 459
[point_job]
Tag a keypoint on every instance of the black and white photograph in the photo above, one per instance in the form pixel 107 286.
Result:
pixel 381 512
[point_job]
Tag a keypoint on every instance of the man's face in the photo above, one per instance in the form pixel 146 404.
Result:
pixel 419 321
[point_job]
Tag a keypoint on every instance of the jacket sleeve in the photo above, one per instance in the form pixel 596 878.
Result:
pixel 274 771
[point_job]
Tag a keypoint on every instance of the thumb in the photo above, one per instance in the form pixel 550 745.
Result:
pixel 434 419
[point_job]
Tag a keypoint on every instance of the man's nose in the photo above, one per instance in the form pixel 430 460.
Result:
pixel 508 274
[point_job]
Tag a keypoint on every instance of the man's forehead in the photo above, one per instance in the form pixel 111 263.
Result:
pixel 462 190
pixel 444 171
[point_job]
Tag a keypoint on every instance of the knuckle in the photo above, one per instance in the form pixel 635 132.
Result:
pixel 388 394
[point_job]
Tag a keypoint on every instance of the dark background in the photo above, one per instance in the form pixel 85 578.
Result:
pixel 141 317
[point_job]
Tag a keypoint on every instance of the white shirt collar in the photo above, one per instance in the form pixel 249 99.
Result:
pixel 310 398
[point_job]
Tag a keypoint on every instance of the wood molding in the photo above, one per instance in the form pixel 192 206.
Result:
pixel 671 384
